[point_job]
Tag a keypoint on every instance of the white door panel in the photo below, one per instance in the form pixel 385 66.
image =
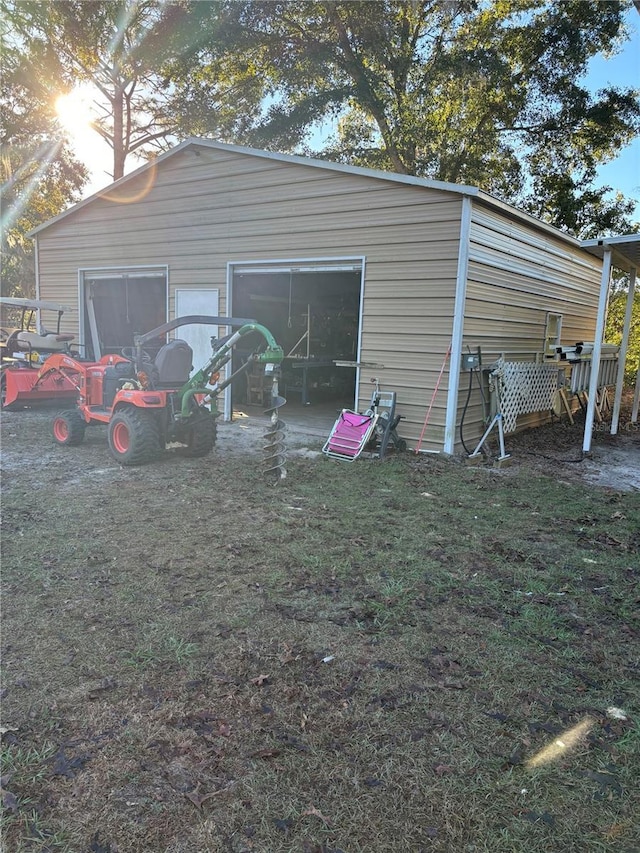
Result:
pixel 197 336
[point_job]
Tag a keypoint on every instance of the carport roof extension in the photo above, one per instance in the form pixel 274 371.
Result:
pixel 625 250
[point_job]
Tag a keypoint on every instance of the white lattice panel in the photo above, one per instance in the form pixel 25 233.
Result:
pixel 524 388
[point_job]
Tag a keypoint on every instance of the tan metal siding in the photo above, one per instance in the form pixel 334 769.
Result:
pixel 516 276
pixel 203 208
pixel 202 211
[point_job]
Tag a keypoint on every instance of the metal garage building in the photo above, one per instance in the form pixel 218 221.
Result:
pixel 358 274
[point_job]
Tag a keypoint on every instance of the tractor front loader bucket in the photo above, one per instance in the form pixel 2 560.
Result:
pixel 25 386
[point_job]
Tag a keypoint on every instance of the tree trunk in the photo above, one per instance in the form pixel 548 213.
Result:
pixel 119 153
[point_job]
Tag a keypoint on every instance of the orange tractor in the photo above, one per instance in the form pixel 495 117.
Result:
pixel 25 347
pixel 147 404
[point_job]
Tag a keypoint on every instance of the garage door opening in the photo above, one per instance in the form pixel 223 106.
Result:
pixel 120 305
pixel 314 314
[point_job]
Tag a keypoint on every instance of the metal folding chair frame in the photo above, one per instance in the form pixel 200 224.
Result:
pixel 350 435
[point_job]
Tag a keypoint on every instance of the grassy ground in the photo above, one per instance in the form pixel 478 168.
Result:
pixel 407 655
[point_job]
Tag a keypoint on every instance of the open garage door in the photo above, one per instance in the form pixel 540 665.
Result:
pixel 313 310
pixel 120 304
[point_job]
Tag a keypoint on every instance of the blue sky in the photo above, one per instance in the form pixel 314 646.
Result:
pixel 623 69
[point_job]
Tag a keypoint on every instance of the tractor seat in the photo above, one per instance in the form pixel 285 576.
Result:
pixel 173 365
pixel 49 342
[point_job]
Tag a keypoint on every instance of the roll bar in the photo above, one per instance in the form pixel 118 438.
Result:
pixel 190 319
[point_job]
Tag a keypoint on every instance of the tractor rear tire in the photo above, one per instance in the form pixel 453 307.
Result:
pixel 200 436
pixel 69 427
pixel 134 437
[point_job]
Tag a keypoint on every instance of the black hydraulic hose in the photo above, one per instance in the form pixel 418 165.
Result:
pixel 464 412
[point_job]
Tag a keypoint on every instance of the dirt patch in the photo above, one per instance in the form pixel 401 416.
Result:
pixel 616 466
pixel 614 461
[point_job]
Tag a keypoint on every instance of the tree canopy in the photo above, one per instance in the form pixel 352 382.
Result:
pixel 481 93
pixel 615 327
pixel 40 176
pixel 117 47
pixel 48 49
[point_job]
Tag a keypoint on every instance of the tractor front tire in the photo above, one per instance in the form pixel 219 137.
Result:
pixel 200 435
pixel 69 427
pixel 134 437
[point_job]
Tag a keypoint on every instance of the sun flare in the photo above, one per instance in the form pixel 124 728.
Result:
pixel 77 112
pixel 563 744
pixel 74 112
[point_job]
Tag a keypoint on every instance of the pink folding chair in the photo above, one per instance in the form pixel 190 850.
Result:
pixel 350 435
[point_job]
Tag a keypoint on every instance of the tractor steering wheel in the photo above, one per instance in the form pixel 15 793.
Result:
pixel 130 353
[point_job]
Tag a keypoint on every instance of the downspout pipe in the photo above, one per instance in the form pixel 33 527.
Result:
pixel 458 328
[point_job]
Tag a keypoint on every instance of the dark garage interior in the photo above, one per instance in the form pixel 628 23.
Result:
pixel 123 305
pixel 314 316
